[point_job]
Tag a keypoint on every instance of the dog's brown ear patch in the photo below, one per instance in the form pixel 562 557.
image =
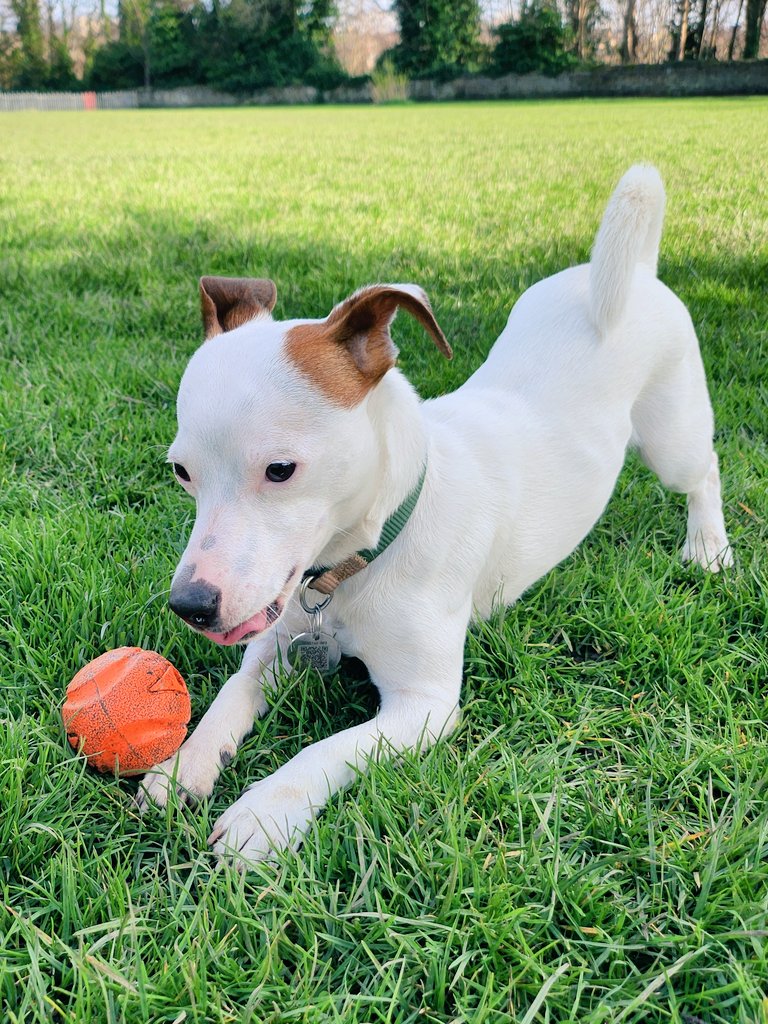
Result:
pixel 349 352
pixel 230 302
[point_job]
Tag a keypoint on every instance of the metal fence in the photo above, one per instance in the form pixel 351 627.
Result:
pixel 126 99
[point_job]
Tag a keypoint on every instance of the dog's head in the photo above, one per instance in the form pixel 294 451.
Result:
pixel 275 444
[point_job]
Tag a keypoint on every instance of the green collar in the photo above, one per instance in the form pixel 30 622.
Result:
pixel 325 579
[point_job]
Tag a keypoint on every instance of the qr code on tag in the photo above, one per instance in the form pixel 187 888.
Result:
pixel 315 655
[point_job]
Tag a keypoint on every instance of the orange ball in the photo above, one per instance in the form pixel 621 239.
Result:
pixel 126 711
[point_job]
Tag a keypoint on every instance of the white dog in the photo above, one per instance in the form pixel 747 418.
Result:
pixel 311 458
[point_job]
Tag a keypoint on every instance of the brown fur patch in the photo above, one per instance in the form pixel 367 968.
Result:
pixel 230 302
pixel 328 365
pixel 347 354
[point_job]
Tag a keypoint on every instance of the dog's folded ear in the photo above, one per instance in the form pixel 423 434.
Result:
pixel 359 319
pixel 350 351
pixel 229 302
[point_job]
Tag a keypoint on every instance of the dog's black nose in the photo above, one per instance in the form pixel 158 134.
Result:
pixel 197 603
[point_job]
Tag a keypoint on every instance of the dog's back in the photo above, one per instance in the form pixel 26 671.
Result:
pixel 555 400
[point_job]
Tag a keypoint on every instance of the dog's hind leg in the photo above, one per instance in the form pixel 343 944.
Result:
pixel 706 541
pixel 672 427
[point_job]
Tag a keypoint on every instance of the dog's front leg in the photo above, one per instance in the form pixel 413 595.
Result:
pixel 196 766
pixel 275 813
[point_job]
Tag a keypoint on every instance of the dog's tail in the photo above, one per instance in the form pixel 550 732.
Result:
pixel 629 234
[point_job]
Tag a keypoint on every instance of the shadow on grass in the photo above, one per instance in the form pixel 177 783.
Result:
pixel 138 284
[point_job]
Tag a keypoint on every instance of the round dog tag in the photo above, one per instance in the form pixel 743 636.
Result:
pixel 319 650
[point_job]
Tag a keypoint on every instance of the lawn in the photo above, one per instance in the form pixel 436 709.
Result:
pixel 590 846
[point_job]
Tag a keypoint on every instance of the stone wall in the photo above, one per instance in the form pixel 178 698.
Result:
pixel 202 96
pixel 688 79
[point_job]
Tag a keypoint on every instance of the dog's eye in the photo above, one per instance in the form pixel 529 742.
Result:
pixel 279 472
pixel 180 472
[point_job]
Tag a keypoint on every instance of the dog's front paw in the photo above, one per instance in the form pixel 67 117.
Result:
pixel 270 816
pixel 189 772
pixel 709 548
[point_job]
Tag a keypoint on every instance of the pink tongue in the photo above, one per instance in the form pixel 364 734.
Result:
pixel 253 625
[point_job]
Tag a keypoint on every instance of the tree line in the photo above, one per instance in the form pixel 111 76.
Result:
pixel 244 45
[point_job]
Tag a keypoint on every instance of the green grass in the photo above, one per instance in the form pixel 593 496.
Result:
pixel 590 846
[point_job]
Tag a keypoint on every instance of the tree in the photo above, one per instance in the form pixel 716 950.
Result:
pixel 628 48
pixel 176 42
pixel 687 29
pixel 753 27
pixel 537 41
pixel 60 74
pixel 582 16
pixel 682 38
pixel 30 70
pixel 236 45
pixel 251 44
pixel 134 17
pixel 734 30
pixel 362 30
pixel 7 64
pixel 437 37
pixel 116 65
